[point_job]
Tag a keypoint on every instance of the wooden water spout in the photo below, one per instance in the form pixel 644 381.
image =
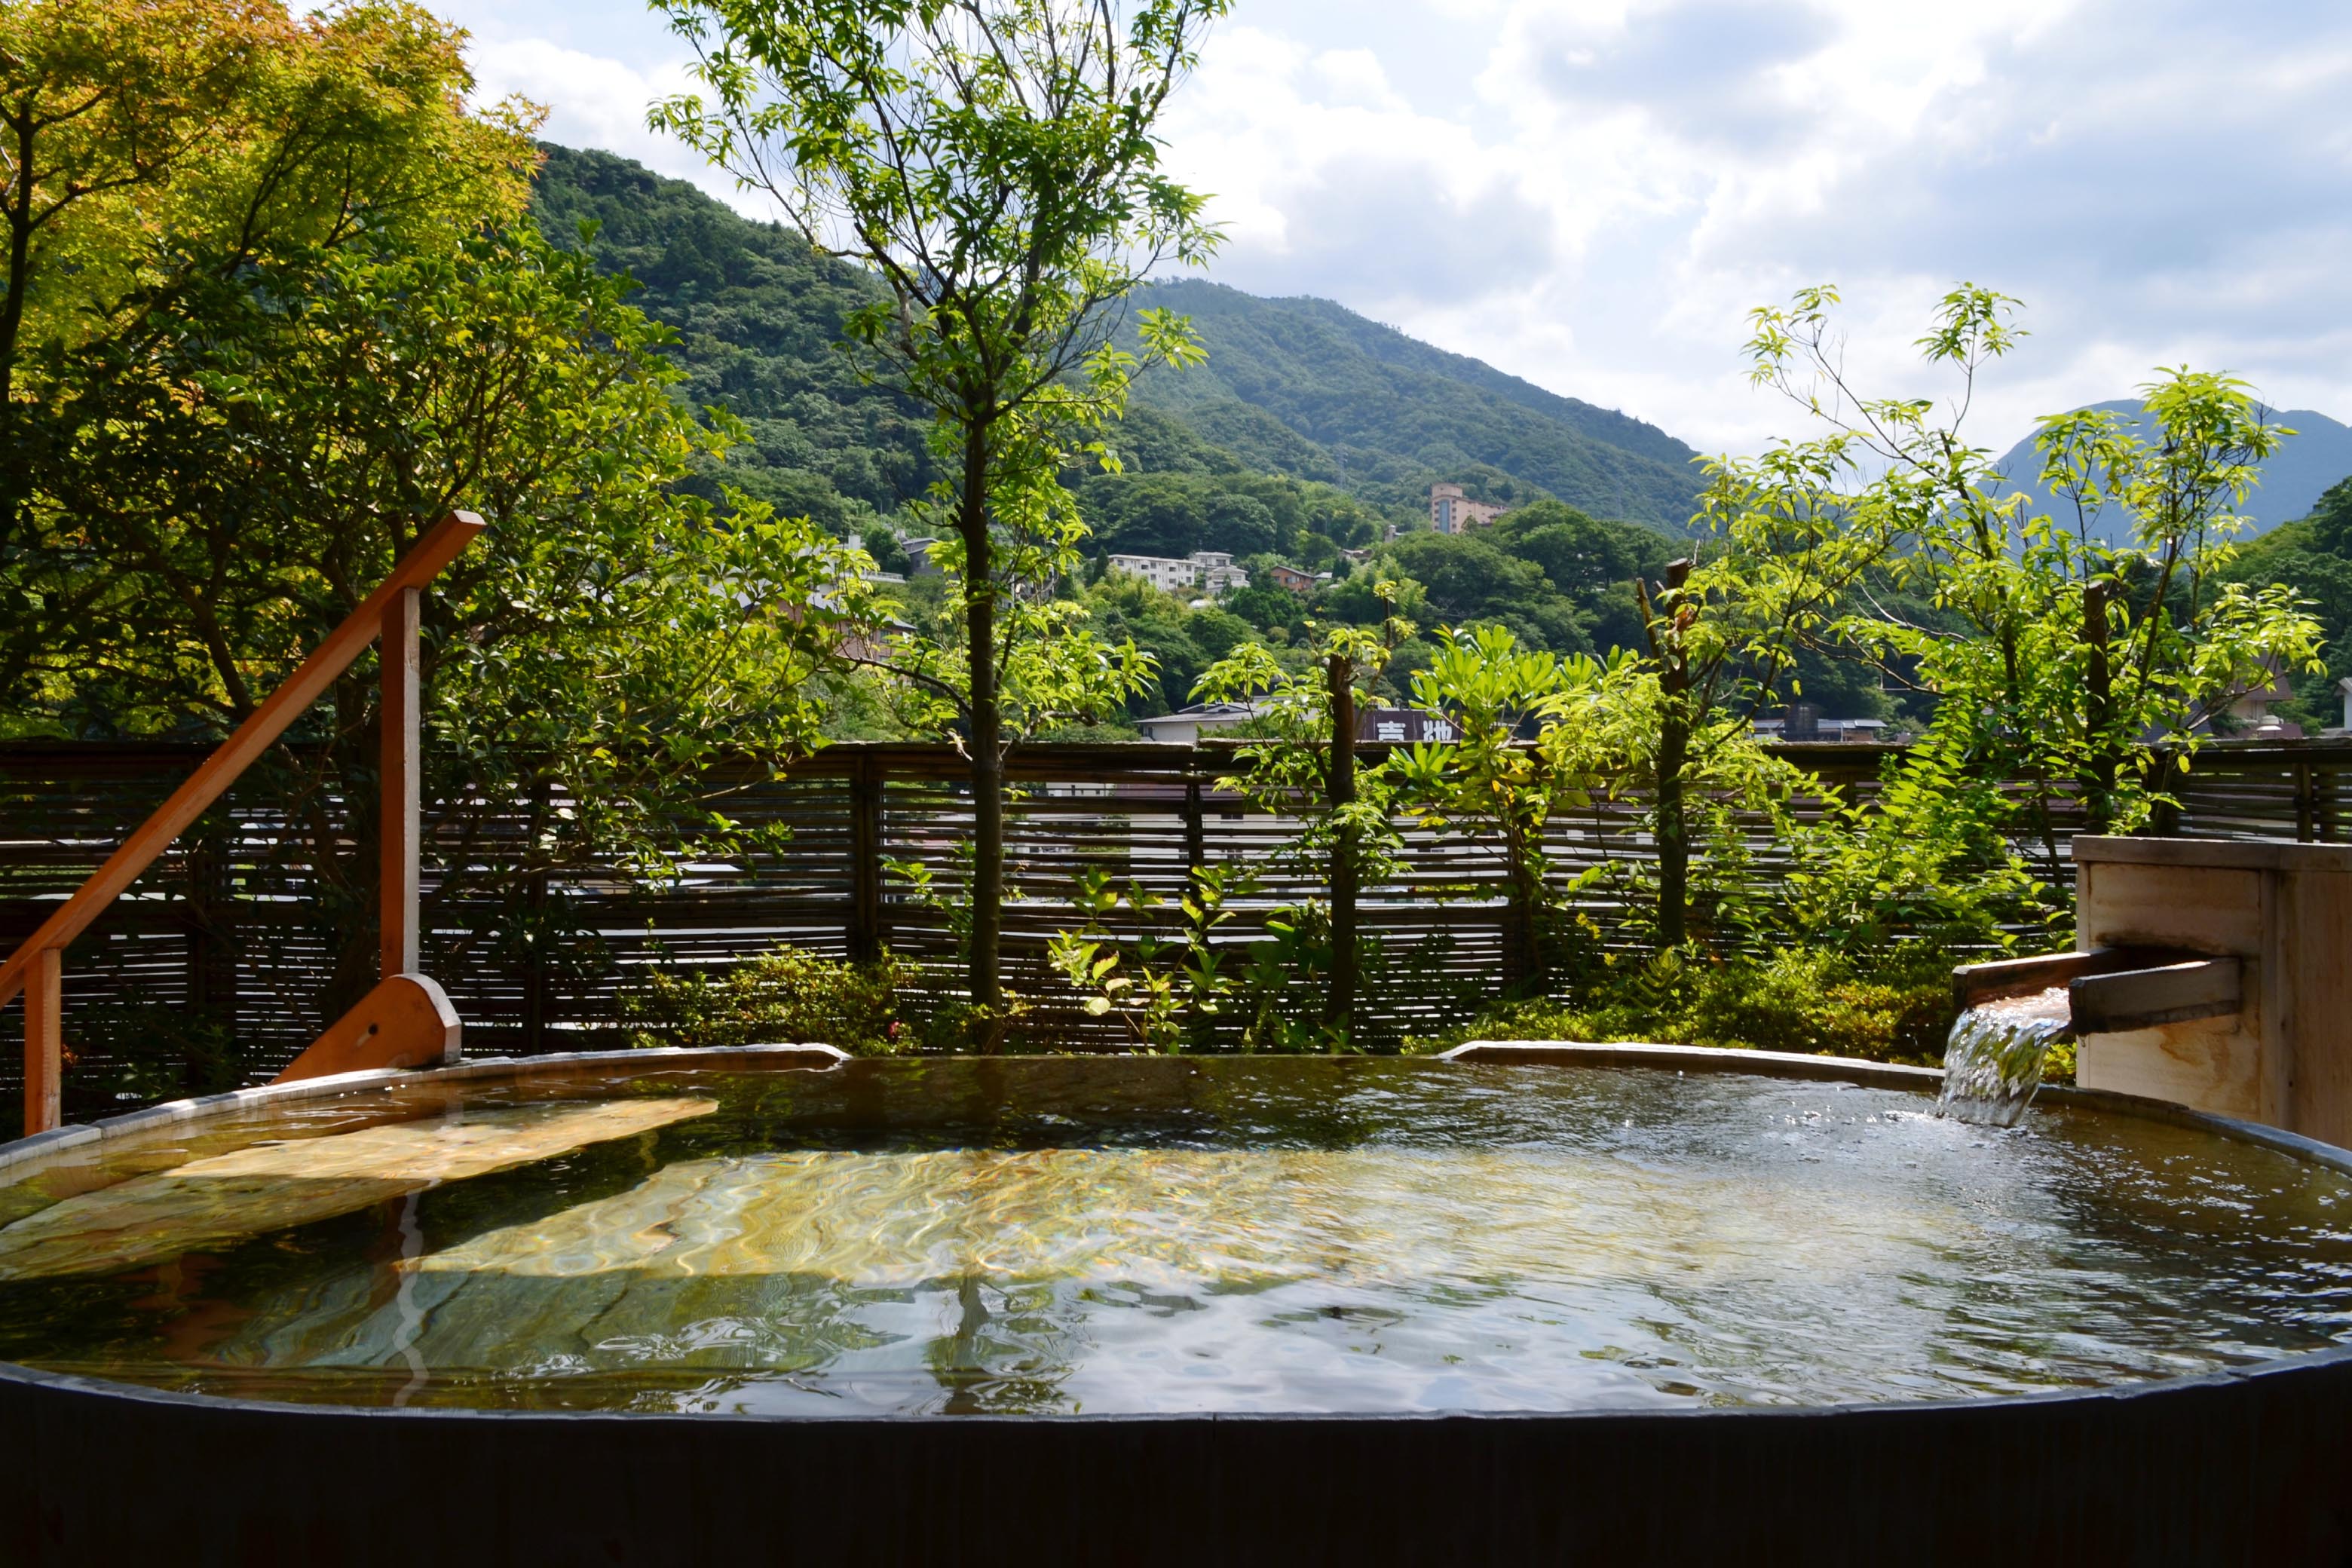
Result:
pixel 2111 989
pixel 2214 973
pixel 405 1021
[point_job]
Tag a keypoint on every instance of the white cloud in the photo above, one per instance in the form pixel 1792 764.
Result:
pixel 593 102
pixel 1592 193
pixel 1597 204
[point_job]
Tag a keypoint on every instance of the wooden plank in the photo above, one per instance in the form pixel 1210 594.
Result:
pixel 44 1040
pixel 866 793
pixel 399 768
pixel 2314 937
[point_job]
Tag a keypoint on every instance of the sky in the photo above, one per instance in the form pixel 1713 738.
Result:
pixel 1593 194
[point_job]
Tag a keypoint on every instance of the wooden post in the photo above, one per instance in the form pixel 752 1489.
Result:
pixel 866 935
pixel 398 815
pixel 1339 1003
pixel 1196 847
pixel 535 988
pixel 44 1040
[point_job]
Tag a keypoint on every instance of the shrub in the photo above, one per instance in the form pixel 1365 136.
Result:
pixel 784 996
pixel 1792 1000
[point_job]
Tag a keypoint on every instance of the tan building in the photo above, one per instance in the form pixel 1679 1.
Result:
pixel 1450 511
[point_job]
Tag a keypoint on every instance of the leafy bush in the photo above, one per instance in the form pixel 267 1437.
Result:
pixel 784 996
pixel 133 1052
pixel 1794 1000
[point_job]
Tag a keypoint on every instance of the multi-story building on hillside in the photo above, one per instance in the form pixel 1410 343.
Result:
pixel 1450 511
pixel 1210 570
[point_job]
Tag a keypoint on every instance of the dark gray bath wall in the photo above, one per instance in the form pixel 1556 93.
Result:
pixel 2243 1469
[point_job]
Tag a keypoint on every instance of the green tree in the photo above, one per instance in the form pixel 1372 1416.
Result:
pixel 2055 654
pixel 993 162
pixel 2312 556
pixel 213 470
pixel 1498 783
pixel 1305 767
pixel 1469 580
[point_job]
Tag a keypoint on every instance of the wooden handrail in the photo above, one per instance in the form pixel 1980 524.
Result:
pixel 36 962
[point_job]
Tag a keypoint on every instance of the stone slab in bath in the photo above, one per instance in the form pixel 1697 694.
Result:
pixel 269 1186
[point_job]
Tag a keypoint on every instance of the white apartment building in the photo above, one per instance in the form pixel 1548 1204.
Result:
pixel 1210 569
pixel 1450 511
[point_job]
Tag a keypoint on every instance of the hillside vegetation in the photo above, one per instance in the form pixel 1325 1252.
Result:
pixel 1310 432
pixel 1307 388
pixel 1299 389
pixel 2313 556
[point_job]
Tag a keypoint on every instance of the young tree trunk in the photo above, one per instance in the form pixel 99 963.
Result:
pixel 982 974
pixel 1673 829
pixel 1340 1004
pixel 1523 968
pixel 20 263
pixel 2098 780
pixel 1673 755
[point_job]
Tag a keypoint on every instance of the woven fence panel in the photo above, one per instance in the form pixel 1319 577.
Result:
pixel 245 926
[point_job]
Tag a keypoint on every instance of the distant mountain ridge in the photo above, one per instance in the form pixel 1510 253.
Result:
pixel 1310 388
pixel 2317 455
pixel 1298 388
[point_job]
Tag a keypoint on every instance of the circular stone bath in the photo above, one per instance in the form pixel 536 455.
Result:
pixel 1565 1303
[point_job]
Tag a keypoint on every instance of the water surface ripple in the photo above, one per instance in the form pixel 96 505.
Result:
pixel 1058 1235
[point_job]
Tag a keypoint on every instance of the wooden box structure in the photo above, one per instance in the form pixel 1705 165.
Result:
pixel 2284 1055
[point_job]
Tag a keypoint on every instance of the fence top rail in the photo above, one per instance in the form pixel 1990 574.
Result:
pixel 31 758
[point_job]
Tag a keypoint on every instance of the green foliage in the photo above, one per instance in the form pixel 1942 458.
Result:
pixel 1285 769
pixel 2312 558
pixel 1181 642
pixel 758 316
pixel 1161 989
pixel 1142 511
pixel 160 146
pixel 1301 765
pixel 789 996
pixel 2055 653
pixel 1498 788
pixel 1793 999
pixel 209 474
pixel 1469 580
pixel 1926 862
pixel 994 167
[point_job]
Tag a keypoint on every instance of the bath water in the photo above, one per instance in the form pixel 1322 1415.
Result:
pixel 1052 1235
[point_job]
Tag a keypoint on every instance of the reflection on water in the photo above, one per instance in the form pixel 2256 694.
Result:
pixel 1058 1235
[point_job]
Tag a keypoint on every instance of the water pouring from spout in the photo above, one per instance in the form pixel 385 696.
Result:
pixel 1992 1061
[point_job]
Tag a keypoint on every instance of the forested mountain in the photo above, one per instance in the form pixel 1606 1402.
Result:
pixel 2315 456
pixel 757 313
pixel 1301 392
pixel 1307 388
pixel 2313 556
pixel 1310 431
